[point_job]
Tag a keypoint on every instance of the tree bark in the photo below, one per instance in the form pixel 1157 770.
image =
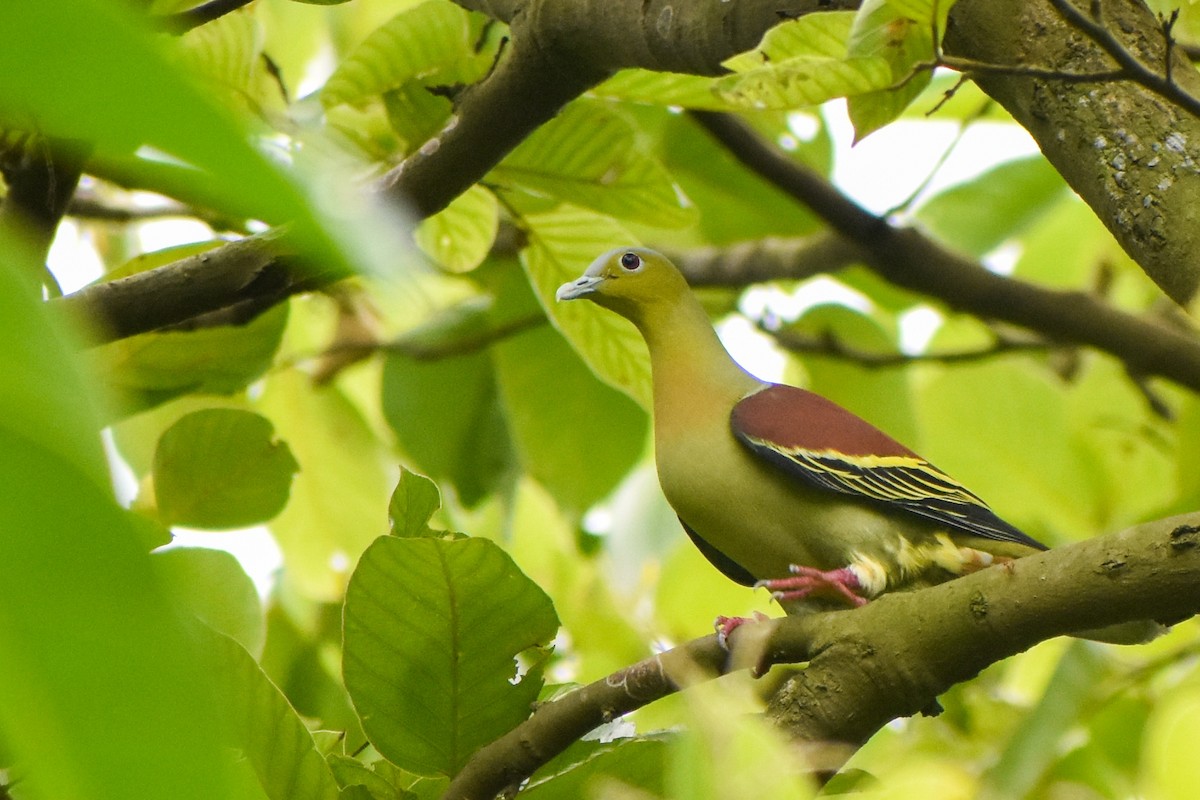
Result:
pixel 1131 154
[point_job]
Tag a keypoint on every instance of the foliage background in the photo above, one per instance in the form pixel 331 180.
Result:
pixel 443 353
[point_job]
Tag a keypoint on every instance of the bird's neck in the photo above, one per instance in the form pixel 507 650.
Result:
pixel 693 373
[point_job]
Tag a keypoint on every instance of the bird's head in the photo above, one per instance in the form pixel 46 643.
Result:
pixel 629 281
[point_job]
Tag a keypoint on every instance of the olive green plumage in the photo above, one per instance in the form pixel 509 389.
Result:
pixel 765 476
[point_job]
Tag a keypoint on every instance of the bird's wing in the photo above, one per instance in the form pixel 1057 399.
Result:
pixel 826 446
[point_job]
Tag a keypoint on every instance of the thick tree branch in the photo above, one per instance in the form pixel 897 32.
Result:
pixel 908 258
pixel 256 271
pixel 697 37
pixel 558 51
pixel 1128 152
pixel 892 657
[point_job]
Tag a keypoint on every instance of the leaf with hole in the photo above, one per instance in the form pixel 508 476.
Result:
pixel 221 468
pixel 434 630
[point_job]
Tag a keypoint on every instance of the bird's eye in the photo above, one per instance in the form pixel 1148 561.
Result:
pixel 631 261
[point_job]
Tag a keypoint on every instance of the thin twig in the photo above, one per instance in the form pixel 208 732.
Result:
pixel 828 344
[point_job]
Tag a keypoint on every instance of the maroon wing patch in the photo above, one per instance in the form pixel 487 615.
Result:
pixel 826 446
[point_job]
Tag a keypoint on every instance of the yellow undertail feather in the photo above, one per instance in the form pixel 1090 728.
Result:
pixel 914 561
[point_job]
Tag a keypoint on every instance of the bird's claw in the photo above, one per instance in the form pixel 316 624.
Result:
pixel 727 625
pixel 806 581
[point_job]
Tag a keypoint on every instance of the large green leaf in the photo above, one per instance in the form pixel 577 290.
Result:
pixel 264 728
pixel 562 243
pixel 981 214
pixel 819 35
pixel 433 42
pixel 146 370
pixel 577 436
pixel 1001 428
pixel 901 34
pixel 338 501
pixel 805 81
pixel 585 766
pixel 459 236
pixel 588 156
pixel 221 468
pixel 734 204
pixel 663 88
pixel 432 628
pixel 803 62
pixel 445 411
pixel 101 693
pixel 1172 771
pixel 120 92
pixel 217 590
pixel 228 54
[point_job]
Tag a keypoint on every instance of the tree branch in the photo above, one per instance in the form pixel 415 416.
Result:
pixel 891 657
pixel 1130 64
pixel 1128 152
pixel 258 270
pixel 766 259
pixel 908 258
pixel 831 346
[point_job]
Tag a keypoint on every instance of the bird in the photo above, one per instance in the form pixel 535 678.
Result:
pixel 778 486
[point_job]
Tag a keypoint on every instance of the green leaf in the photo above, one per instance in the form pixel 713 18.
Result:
pixel 339 498
pixel 415 113
pixel 264 728
pixel 805 81
pixel 1001 429
pixel 121 92
pixel 801 63
pixel 101 695
pixel 557 409
pixel 588 156
pixel 734 204
pixel 445 411
pixel 227 53
pixel 414 501
pixel 433 42
pixel 823 34
pixel 662 88
pixel 460 236
pixel 981 214
pixel 562 243
pixel 213 585
pixel 636 762
pixel 1035 746
pixel 350 772
pixel 432 628
pixel 1171 769
pixel 149 369
pixel 901 34
pixel 221 468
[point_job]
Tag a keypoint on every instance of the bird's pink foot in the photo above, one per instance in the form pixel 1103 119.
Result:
pixel 727 625
pixel 806 581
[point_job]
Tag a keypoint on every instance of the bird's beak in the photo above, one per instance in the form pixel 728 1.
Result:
pixel 583 285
